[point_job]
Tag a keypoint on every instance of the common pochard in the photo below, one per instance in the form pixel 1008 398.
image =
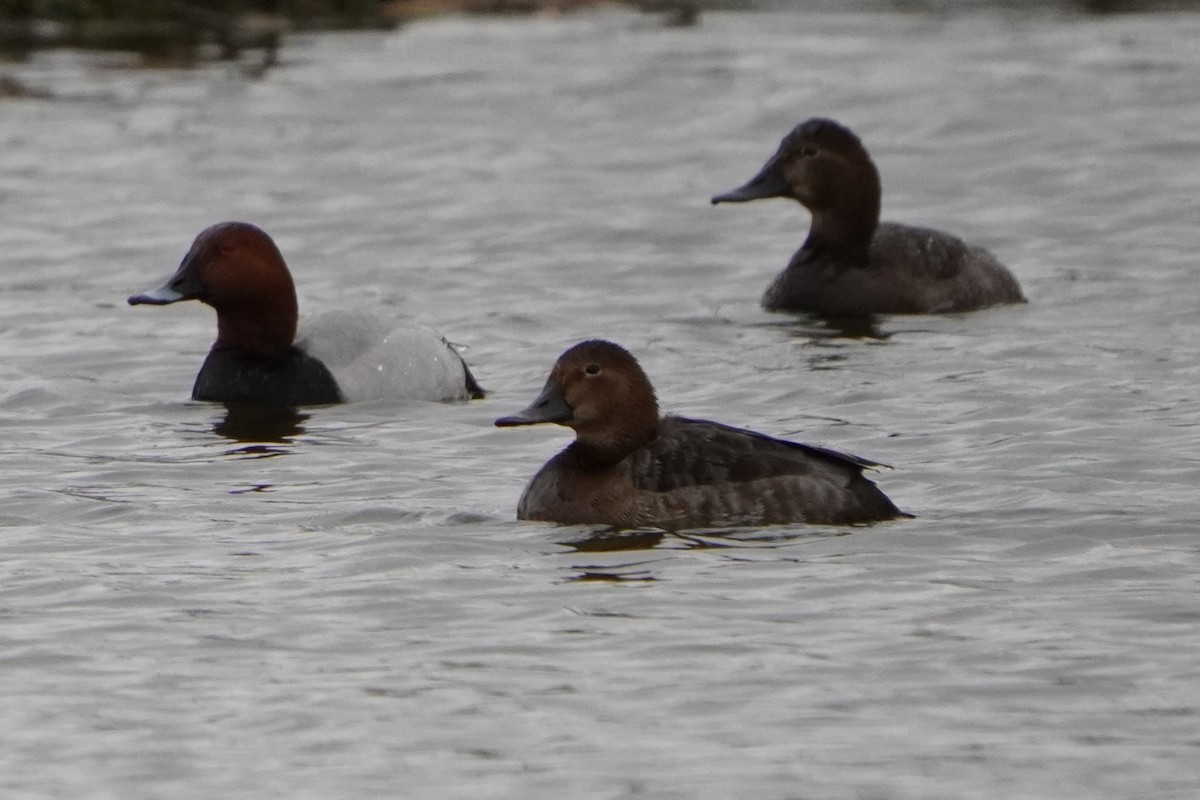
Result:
pixel 851 265
pixel 629 467
pixel 339 357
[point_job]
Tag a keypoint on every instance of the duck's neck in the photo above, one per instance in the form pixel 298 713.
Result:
pixel 849 239
pixel 596 453
pixel 844 224
pixel 263 329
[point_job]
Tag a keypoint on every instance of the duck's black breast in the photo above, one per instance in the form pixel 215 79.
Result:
pixel 295 379
pixel 906 270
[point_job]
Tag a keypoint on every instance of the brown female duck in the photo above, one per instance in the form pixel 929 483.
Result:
pixel 851 265
pixel 628 467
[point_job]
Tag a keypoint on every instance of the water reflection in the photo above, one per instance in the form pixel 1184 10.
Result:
pixel 259 428
pixel 828 337
pixel 763 538
pixel 857 328
pixel 611 540
pixel 610 575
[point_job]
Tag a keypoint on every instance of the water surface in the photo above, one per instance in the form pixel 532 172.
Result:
pixel 341 603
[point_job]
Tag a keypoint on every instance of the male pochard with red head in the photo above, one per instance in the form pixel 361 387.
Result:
pixel 629 467
pixel 340 357
pixel 851 264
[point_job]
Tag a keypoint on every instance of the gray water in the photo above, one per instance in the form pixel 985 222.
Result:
pixel 342 604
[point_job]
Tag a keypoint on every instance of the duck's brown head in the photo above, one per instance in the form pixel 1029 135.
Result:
pixel 236 268
pixel 825 167
pixel 599 390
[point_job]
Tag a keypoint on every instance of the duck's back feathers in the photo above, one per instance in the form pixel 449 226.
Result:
pixel 372 358
pixel 947 273
pixel 693 452
pixel 714 474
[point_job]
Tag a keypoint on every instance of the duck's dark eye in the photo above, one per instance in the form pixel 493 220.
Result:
pixel 808 150
pixel 592 369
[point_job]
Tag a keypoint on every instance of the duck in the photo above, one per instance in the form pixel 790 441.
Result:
pixel 851 264
pixel 630 467
pixel 338 357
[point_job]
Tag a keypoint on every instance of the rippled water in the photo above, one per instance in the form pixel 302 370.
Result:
pixel 342 604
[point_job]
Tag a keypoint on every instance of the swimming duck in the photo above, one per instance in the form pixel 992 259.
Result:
pixel 340 357
pixel 851 265
pixel 629 467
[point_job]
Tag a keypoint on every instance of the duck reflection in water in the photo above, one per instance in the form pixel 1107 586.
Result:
pixel 259 428
pixel 613 540
pixel 618 540
pixel 858 328
pixel 631 569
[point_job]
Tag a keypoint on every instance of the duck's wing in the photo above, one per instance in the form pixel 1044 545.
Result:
pixel 947 273
pixel 691 452
pixel 704 474
pixel 922 252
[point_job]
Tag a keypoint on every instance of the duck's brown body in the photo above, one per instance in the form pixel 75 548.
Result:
pixel 699 474
pixel 908 270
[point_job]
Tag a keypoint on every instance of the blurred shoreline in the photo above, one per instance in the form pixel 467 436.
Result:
pixel 166 33
pixel 186 31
